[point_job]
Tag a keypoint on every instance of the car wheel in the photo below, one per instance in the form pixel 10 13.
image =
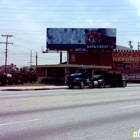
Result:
pixel 91 86
pixel 102 84
pixel 123 84
pixel 114 85
pixel 70 86
pixel 81 84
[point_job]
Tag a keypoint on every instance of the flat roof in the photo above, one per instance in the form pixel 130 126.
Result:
pixel 72 66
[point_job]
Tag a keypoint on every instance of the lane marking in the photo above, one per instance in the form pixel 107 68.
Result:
pixel 40 104
pixel 66 102
pixel 19 122
pixel 31 96
pixel 129 106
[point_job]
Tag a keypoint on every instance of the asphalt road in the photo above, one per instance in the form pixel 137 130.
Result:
pixel 88 114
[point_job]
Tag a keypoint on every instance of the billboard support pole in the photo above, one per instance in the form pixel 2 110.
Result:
pixel 60 57
pixel 36 58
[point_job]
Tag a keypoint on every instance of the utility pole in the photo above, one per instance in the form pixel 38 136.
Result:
pixel 138 46
pixel 36 58
pixel 130 44
pixel 7 36
pixel 31 58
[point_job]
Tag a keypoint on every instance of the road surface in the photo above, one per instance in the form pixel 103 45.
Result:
pixel 88 114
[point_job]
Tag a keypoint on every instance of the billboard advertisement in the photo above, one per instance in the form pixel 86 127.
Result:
pixel 80 39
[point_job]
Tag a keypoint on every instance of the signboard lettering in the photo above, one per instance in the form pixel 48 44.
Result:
pixel 126 56
pixel 126 65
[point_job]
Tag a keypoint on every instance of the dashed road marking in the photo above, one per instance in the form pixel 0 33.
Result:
pixel 19 122
pixel 129 106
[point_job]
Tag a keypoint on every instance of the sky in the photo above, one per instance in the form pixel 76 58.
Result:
pixel 27 21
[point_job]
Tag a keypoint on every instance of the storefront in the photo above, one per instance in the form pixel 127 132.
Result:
pixel 127 62
pixel 57 74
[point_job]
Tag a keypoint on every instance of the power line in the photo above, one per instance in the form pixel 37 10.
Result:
pixel 27 54
pixel 45 32
pixel 64 5
pixel 56 17
pixel 24 40
pixel 22 31
pixel 69 22
pixel 50 58
pixel 7 36
pixel 24 47
pixel 70 10
pixel 1 58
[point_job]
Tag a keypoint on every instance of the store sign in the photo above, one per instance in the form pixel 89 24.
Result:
pixel 132 77
pixel 126 65
pixel 126 57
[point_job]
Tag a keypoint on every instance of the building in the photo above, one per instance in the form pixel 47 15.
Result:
pixel 88 47
pixel 121 59
pixel 57 74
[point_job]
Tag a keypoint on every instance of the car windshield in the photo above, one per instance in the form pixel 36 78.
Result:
pixel 80 70
pixel 76 74
pixel 96 76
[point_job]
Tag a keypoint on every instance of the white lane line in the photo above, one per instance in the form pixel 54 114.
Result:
pixel 129 106
pixel 19 122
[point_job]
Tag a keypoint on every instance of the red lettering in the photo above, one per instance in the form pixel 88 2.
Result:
pixel 134 55
pixel 120 55
pixel 129 54
pixel 125 54
pixel 138 54
pixel 114 54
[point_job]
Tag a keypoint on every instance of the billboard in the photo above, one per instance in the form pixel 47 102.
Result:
pixel 80 39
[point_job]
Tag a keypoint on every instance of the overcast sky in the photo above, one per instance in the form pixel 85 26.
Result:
pixel 27 21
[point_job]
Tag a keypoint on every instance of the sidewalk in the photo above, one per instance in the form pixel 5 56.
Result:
pixel 27 88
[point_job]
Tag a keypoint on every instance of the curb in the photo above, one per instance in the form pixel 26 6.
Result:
pixel 130 85
pixel 31 89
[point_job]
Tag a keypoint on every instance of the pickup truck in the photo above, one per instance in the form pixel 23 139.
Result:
pixel 86 77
